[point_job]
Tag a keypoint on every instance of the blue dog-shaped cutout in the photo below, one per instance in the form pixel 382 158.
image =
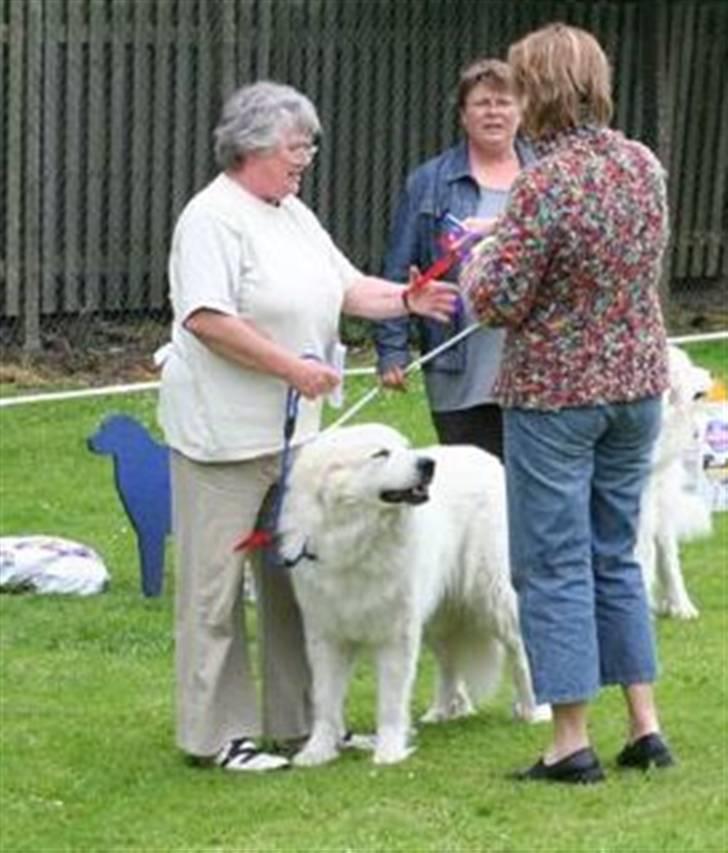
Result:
pixel 141 476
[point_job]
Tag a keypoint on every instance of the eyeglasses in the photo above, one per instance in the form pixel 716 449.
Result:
pixel 301 152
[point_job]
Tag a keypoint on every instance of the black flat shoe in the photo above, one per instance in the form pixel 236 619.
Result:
pixel 580 768
pixel 648 751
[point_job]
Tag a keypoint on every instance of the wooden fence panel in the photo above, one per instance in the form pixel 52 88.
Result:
pixel 711 182
pixel 33 176
pixel 206 97
pixel 4 45
pixel 681 51
pixel 72 173
pixel 118 172
pixel 691 166
pixel 160 224
pixel 339 130
pixel 263 29
pixel 399 108
pixel 361 160
pixel 141 186
pixel 382 104
pixel 51 250
pixel 719 216
pixel 95 206
pixel 229 36
pixel 324 14
pixel 182 76
pixel 15 120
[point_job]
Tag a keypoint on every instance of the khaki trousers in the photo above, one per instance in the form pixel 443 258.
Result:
pixel 213 506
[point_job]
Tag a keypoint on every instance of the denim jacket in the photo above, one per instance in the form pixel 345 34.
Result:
pixel 441 185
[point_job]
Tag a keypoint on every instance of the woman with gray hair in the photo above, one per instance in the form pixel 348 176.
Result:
pixel 257 289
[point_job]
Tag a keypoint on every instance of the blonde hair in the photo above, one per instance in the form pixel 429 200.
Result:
pixel 492 72
pixel 563 78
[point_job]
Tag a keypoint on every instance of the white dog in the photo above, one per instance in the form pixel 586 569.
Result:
pixel 671 512
pixel 386 540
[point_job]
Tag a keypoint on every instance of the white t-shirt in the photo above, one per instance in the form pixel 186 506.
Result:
pixel 273 265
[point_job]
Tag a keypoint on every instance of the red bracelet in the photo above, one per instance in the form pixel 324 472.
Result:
pixel 405 300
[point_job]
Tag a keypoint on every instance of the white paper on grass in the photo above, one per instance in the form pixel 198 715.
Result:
pixel 50 565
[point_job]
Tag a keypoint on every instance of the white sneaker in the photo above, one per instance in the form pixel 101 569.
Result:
pixel 241 754
pixel 361 742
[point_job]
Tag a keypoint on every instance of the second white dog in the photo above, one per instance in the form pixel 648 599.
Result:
pixel 671 512
pixel 382 541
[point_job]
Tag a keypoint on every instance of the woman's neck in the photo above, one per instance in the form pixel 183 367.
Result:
pixel 494 168
pixel 246 180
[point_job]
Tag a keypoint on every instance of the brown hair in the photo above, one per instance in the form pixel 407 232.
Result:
pixel 491 71
pixel 563 78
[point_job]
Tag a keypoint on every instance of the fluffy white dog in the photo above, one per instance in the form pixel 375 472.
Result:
pixel 671 511
pixel 387 540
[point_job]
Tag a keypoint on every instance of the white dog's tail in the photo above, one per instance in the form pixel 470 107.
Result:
pixel 683 511
pixel 480 661
pixel 693 519
pixel 469 664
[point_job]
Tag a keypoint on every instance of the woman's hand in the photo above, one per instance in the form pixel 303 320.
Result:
pixel 313 379
pixel 480 225
pixel 436 299
pixel 394 377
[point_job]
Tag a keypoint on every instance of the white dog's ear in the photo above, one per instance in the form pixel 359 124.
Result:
pixel 331 487
pixel 676 396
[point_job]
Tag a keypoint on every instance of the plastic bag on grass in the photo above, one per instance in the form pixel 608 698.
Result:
pixel 50 565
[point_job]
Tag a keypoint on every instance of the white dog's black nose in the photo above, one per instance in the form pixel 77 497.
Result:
pixel 426 468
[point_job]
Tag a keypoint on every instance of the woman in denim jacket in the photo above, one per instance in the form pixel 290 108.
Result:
pixel 471 182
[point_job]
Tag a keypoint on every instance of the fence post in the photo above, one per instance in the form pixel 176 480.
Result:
pixel 657 103
pixel 33 175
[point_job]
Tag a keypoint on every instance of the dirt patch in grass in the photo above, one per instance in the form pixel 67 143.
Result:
pixel 91 356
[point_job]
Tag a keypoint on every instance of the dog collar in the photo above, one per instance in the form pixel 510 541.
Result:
pixel 304 554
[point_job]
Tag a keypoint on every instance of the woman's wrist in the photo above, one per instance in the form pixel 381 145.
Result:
pixel 405 300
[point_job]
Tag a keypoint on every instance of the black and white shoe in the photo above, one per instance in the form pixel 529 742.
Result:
pixel 358 741
pixel 242 755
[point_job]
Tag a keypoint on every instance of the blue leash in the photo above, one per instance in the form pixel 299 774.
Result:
pixel 266 536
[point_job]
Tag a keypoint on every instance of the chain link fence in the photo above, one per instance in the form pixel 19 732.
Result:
pixel 108 107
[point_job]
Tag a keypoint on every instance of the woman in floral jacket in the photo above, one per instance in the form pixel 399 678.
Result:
pixel 573 274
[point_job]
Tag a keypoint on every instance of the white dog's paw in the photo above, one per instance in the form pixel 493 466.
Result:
pixel 532 713
pixel 391 754
pixel 455 707
pixel 456 710
pixel 312 755
pixel 683 609
pixel 434 714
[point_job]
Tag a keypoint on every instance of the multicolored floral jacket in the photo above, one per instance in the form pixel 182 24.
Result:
pixel 573 274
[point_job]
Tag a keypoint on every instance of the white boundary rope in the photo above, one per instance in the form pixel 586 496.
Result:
pixel 109 390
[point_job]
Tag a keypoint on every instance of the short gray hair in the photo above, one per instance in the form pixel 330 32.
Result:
pixel 255 116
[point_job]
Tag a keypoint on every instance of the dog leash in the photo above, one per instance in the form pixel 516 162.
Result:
pixel 265 537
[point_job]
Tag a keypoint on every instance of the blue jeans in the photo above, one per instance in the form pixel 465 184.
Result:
pixel 575 479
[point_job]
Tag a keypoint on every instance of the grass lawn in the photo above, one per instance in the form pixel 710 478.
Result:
pixel 87 759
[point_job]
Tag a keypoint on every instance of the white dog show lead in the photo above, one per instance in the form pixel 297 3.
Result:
pixel 413 365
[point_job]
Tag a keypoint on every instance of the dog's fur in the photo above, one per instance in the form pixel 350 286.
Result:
pixel 378 559
pixel 671 513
